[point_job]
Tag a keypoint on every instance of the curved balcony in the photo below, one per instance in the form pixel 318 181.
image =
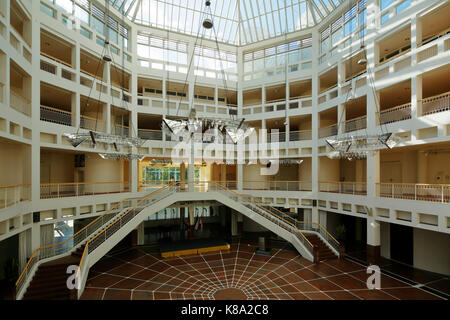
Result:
pixel 435 104
pixel 11 195
pixel 55 115
pixel 79 189
pixel 354 188
pixel 395 114
pixel 414 191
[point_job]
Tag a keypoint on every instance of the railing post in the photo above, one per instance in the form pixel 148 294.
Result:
pixel 316 254
pixel 57 190
pixel 415 192
pixel 392 190
pixel 442 194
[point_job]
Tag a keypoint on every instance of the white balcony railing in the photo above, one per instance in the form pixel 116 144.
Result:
pixel 78 189
pixel 121 130
pixel 278 185
pixel 355 124
pixel 300 135
pixel 355 188
pixel 395 114
pixel 148 134
pixel 19 102
pixel 439 103
pixel 90 123
pixel 10 195
pixel 411 191
pixel 55 115
pixel 328 131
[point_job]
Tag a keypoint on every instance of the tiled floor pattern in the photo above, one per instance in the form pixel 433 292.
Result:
pixel 237 274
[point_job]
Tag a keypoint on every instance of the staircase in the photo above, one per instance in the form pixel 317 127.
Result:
pixel 323 251
pixel 49 280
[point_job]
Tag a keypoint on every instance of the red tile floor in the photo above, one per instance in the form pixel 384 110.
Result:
pixel 140 273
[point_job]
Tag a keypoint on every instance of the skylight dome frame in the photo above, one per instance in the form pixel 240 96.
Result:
pixel 238 22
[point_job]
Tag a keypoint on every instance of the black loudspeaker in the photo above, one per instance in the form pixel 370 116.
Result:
pixel 79 160
pixel 314 203
pixel 36 217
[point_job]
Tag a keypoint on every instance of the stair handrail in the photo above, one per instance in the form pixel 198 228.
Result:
pixel 119 219
pixel 327 235
pixel 307 222
pixel 32 260
pixel 303 237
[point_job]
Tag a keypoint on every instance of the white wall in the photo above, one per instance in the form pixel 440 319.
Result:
pixel 305 170
pixel 385 240
pixel 101 170
pixel 432 251
pixel 249 225
pixel 15 164
pixel 328 169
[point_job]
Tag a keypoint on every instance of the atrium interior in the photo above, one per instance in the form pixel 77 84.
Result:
pixel 224 149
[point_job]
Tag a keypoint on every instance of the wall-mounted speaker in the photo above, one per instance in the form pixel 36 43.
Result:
pixel 80 160
pixel 36 217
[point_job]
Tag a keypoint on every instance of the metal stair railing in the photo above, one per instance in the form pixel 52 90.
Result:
pixel 303 225
pixel 64 247
pixel 270 215
pixel 119 222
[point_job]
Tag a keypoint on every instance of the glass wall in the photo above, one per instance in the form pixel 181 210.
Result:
pixel 273 60
pixel 209 63
pixel 353 20
pixel 162 54
pixel 161 175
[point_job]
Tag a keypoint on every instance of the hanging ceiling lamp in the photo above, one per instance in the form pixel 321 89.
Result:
pixel 92 136
pixel 235 129
pixel 353 147
pixel 118 156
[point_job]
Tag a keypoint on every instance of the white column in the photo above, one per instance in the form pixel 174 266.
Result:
pixel 35 236
pixel 373 175
pixel 315 125
pixel 341 78
pixel 234 221
pixel 416 37
pixel 373 232
pixel 341 117
pixel 107 117
pixel 140 234
pixel 35 109
pixel 416 98
pixel 191 167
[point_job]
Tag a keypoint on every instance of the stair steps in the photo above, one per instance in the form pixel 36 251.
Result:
pixel 325 253
pixel 50 280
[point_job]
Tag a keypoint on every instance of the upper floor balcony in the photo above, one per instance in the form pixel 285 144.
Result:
pixel 414 191
pixel 11 195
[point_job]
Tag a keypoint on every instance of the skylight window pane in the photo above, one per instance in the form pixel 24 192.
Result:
pixel 277 23
pixel 403 6
pixel 328 5
pixel 66 5
pixel 350 13
pixel 320 7
pixel 252 21
pixel 303 15
pixel 385 4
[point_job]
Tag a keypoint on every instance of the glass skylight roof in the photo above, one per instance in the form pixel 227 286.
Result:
pixel 236 22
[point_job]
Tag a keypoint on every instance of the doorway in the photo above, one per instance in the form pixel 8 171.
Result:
pixel 402 249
